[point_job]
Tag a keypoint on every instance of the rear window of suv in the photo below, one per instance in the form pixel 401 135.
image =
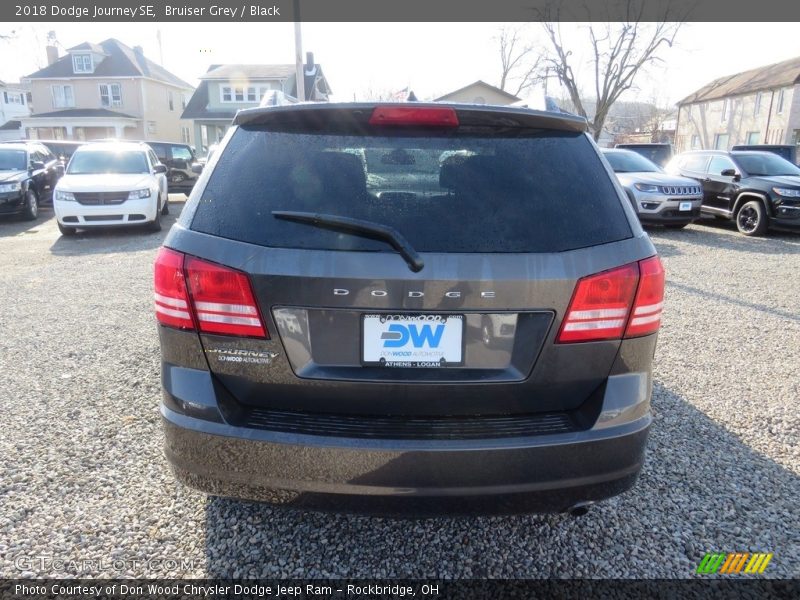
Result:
pixel 546 191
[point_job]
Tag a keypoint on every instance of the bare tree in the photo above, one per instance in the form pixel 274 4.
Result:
pixel 520 61
pixel 620 51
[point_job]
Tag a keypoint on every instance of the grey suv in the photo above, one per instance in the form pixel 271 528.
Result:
pixel 658 198
pixel 413 308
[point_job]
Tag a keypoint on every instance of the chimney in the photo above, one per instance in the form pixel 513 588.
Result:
pixel 52 54
pixel 139 50
pixel 309 61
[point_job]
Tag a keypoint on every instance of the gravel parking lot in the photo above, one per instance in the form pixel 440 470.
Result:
pixel 83 477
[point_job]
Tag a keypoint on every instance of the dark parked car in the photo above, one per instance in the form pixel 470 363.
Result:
pixel 658 198
pixel 757 190
pixel 28 175
pixel 785 151
pixel 660 154
pixel 178 158
pixel 62 149
pixel 476 335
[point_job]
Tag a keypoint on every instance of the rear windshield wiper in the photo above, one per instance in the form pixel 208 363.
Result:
pixel 366 229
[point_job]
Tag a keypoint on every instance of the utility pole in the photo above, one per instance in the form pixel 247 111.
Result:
pixel 298 55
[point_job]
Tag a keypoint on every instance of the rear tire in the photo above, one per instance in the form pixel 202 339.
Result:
pixel 751 219
pixel 165 208
pixel 66 230
pixel 31 210
pixel 155 224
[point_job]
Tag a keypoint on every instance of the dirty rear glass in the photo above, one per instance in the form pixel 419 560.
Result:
pixel 547 192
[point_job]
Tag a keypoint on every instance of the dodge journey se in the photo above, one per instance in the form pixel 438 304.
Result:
pixel 408 308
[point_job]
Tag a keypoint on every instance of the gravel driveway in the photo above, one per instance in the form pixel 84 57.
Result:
pixel 83 478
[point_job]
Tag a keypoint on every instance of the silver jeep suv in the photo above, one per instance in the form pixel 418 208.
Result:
pixel 657 197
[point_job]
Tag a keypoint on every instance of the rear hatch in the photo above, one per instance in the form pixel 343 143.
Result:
pixel 420 267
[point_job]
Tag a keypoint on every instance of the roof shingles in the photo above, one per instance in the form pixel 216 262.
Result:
pixel 120 61
pixel 781 74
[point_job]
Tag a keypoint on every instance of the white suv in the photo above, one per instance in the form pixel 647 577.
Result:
pixel 111 183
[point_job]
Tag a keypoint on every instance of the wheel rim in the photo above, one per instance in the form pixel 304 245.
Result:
pixel 178 177
pixel 748 219
pixel 33 205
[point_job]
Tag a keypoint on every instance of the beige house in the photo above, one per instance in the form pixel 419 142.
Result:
pixel 225 89
pixel 760 106
pixel 105 90
pixel 480 92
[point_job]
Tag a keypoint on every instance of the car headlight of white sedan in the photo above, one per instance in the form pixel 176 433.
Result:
pixel 62 196
pixel 139 194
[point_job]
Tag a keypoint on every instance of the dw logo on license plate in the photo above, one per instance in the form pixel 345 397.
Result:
pixel 420 341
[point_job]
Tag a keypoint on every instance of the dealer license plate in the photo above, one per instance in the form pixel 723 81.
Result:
pixel 414 341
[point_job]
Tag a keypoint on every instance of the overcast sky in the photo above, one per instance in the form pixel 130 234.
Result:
pixel 431 58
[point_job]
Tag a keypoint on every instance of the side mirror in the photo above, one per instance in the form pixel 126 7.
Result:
pixel 731 173
pixel 37 165
pixel 159 169
pixel 197 168
pixel 60 169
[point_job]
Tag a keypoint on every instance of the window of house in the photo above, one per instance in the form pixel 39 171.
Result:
pixel 82 63
pixel 170 100
pixel 752 137
pixel 13 98
pixel 695 142
pixel 721 141
pixel 252 93
pixel 781 98
pixel 757 105
pixel 724 118
pixel 183 100
pixel 185 134
pixel 110 95
pixel 151 127
pixel 63 96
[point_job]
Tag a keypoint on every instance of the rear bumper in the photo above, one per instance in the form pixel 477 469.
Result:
pixel 543 473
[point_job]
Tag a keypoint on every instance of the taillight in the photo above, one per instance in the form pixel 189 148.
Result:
pixel 425 116
pixel 646 314
pixel 218 299
pixel 222 299
pixel 603 304
pixel 600 306
pixel 172 301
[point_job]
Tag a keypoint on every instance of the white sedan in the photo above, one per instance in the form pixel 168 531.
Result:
pixel 111 183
